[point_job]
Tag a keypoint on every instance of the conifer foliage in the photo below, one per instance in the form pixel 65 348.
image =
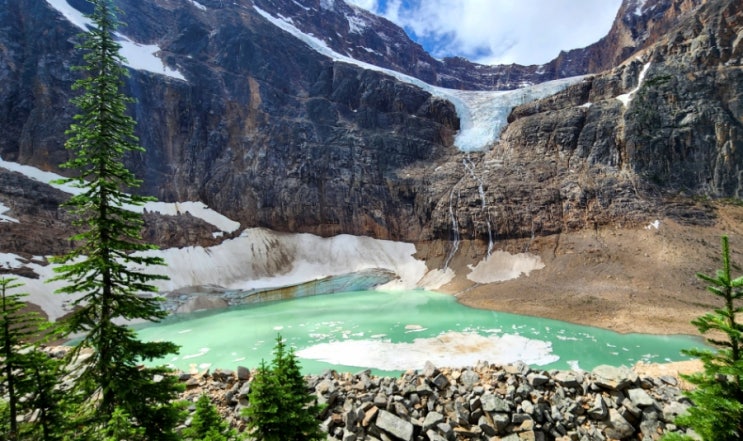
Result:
pixel 207 424
pixel 103 272
pixel 281 408
pixel 28 376
pixel 717 413
pixel 16 327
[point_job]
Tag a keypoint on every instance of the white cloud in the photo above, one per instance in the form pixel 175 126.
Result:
pixel 500 31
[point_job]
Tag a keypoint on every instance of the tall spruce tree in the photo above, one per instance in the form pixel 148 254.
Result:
pixel 717 413
pixel 103 271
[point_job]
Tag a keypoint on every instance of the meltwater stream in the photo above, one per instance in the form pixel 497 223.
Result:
pixel 390 332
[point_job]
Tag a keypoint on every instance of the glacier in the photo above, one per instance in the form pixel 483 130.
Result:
pixel 482 114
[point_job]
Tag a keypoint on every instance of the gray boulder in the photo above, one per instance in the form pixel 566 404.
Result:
pixel 395 426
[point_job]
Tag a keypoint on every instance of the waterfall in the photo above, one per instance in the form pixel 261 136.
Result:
pixel 454 229
pixel 470 166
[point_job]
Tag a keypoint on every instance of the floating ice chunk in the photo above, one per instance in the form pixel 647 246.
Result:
pixel 201 353
pixel 449 349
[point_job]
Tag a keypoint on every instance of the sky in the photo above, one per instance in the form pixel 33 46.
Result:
pixel 499 31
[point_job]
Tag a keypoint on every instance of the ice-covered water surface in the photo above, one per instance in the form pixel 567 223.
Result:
pixel 395 331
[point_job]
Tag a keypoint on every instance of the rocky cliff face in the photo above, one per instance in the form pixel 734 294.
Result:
pixel 272 133
pixel 623 147
pixel 264 129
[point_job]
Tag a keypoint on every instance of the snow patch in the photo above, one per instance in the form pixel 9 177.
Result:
pixel 371 51
pixel 3 217
pixel 625 98
pixel 328 5
pixel 482 113
pixel 356 24
pixel 137 56
pixel 501 266
pixel 11 261
pixel 436 278
pixel 261 258
pixel 38 175
pixel 455 349
pixel 640 6
pixel 144 57
pixel 71 14
pixel 301 6
pixel 654 225
pixel 40 291
pixel 197 4
pixel 196 209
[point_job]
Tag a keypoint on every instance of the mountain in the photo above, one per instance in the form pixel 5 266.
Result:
pixel 314 116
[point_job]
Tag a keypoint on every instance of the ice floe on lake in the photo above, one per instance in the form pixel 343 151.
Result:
pixel 448 349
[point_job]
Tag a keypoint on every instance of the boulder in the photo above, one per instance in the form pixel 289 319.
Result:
pixel 613 377
pixel 640 397
pixel 394 425
pixel 598 410
pixel 617 426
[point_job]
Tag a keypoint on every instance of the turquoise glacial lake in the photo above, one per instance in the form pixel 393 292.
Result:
pixel 390 332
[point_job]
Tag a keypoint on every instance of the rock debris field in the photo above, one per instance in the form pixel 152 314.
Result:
pixel 484 402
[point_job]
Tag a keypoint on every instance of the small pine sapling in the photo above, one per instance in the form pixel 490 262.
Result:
pixel 281 407
pixel 207 424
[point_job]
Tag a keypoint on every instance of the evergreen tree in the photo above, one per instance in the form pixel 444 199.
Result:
pixel 18 329
pixel 207 424
pixel 264 414
pixel 717 413
pixel 47 398
pixel 281 407
pixel 300 409
pixel 104 270
pixel 120 428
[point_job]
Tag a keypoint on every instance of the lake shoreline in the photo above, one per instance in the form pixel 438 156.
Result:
pixel 628 280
